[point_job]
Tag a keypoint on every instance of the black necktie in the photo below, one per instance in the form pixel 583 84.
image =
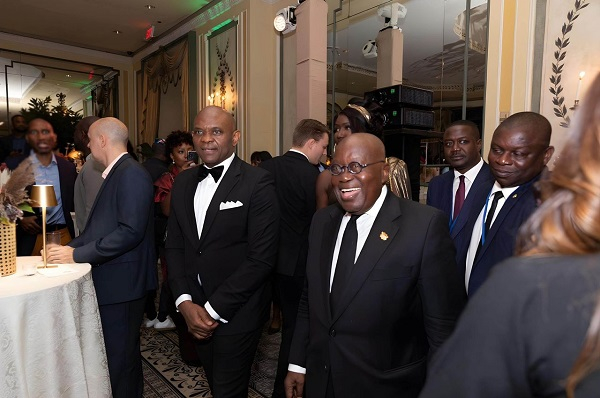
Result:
pixel 488 220
pixel 345 262
pixel 215 172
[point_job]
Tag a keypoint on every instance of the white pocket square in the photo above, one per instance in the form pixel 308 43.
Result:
pixel 230 205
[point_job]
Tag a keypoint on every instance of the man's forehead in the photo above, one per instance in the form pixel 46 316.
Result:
pixel 40 125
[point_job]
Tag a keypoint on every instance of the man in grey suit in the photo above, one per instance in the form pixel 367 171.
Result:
pixel 90 178
pixel 120 247
pixel 295 175
pixel 382 292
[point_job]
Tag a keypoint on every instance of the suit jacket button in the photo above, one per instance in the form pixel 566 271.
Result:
pixel 199 251
pixel 332 332
pixel 326 369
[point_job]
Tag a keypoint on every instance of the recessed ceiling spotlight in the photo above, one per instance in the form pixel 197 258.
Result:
pixel 118 32
pixel 67 75
pixel 150 7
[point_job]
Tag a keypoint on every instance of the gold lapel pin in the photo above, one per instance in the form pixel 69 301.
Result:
pixel 383 236
pixel 514 196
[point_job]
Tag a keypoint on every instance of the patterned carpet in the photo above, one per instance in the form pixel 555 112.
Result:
pixel 167 376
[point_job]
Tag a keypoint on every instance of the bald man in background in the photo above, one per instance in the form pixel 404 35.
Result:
pixel 120 247
pixel 90 178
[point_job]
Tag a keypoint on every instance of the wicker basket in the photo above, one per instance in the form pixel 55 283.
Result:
pixel 8 249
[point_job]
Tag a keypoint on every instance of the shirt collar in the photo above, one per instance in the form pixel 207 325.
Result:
pixel 36 161
pixel 506 192
pixel 110 166
pixel 374 210
pixel 471 174
pixel 226 163
pixel 301 153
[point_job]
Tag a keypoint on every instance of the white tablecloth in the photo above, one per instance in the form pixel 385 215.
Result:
pixel 51 342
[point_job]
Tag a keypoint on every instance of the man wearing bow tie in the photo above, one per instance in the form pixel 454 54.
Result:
pixel 221 248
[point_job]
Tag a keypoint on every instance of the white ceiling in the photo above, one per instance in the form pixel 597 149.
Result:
pixel 428 34
pixel 91 23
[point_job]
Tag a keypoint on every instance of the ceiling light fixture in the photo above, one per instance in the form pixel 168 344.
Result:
pixel 150 7
pixel 118 32
pixel 67 75
pixel 285 20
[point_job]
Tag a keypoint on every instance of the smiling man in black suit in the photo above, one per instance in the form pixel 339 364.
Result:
pixel 382 292
pixel 295 175
pixel 221 248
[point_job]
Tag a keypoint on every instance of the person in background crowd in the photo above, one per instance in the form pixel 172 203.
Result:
pixel 467 186
pixel 49 170
pixel 295 175
pixel 361 116
pixel 519 152
pixel 120 247
pixel 259 156
pixel 89 178
pixel 177 145
pixel 382 293
pixel 14 147
pixel 221 248
pixel 158 164
pixel 533 329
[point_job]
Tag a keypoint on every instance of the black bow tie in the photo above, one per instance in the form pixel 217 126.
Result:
pixel 215 172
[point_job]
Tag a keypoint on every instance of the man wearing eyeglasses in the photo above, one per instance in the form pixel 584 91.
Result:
pixel 381 282
pixel 221 248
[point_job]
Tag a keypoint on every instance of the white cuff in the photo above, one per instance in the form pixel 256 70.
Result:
pixel 213 313
pixel 182 298
pixel 296 368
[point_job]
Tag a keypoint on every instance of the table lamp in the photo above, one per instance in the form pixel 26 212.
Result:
pixel 43 196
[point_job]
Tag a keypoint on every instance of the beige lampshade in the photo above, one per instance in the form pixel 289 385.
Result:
pixel 43 196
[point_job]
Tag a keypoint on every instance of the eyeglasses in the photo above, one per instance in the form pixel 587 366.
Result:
pixel 352 167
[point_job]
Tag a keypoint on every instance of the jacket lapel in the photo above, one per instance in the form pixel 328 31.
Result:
pixel 385 225
pixel 327 247
pixel 229 180
pixel 475 199
pixel 106 180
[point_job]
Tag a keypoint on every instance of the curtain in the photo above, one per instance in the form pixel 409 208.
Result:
pixel 167 66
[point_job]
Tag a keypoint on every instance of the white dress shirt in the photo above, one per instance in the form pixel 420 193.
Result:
pixel 363 225
pixel 470 176
pixel 478 227
pixel 204 194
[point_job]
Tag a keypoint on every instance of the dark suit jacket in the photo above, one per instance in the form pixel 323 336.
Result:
pixel 400 304
pixel 67 174
pixel 6 147
pixel 119 238
pixel 500 241
pixel 520 335
pixel 295 179
pixel 236 253
pixel 440 196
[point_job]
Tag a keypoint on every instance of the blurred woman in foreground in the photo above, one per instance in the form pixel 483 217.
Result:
pixel 533 330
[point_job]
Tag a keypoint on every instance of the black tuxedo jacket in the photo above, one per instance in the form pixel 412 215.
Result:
pixel 440 196
pixel 119 238
pixel 295 179
pixel 501 239
pixel 401 303
pixel 520 335
pixel 236 253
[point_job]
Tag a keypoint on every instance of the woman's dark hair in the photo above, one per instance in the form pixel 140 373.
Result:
pixel 364 116
pixel 175 139
pixel 260 156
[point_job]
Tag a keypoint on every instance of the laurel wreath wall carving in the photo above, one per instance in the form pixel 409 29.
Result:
pixel 561 43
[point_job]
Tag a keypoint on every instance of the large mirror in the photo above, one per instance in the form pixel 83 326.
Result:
pixel 77 87
pixel 434 58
